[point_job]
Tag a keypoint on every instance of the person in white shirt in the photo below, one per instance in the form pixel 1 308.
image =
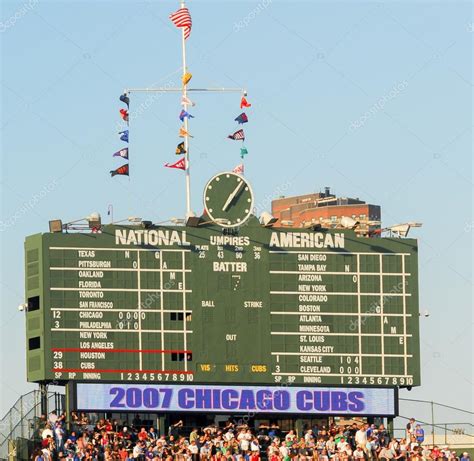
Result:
pixel 193 450
pixel 283 450
pixel 330 445
pixel 53 417
pixel 341 444
pixel 394 445
pixel 308 437
pixel 205 451
pixel 47 432
pixel 361 436
pixel 244 445
pixel 425 454
pixel 411 426
pixel 59 436
pixel 46 454
pixel 229 435
pixel 137 450
pixel 324 456
pixel 358 453
pixel 386 453
pixel 254 446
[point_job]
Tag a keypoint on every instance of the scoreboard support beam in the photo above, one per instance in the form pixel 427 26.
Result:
pixel 161 425
pixel 70 402
pixel 299 427
pixel 390 427
pixel 43 388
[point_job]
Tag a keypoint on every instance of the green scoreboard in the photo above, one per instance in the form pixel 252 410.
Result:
pixel 207 304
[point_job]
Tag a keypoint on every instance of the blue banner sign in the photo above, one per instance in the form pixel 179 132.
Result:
pixel 235 399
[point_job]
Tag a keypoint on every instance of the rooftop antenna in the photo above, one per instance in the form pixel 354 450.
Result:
pixel 184 91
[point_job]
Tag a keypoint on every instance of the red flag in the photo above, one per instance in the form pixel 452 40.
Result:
pixel 239 135
pixel 121 170
pixel 180 164
pixel 182 18
pixel 244 103
pixel 124 114
pixel 239 169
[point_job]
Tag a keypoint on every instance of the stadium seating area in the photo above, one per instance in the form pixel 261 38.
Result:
pixel 111 440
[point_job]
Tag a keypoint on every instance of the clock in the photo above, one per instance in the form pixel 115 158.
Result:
pixel 228 199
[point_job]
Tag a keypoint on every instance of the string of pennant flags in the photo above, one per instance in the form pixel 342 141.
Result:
pixel 123 170
pixel 181 19
pixel 239 135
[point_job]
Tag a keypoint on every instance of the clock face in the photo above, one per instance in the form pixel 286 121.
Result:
pixel 228 199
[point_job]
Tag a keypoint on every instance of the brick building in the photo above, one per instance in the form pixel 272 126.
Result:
pixel 325 209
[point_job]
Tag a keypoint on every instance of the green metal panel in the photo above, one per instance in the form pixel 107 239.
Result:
pixel 249 305
pixel 34 317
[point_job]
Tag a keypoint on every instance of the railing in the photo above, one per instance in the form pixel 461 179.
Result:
pixel 459 434
pixel 446 434
pixel 22 421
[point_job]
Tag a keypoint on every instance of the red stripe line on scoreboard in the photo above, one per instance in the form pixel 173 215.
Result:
pixel 144 351
pixel 80 370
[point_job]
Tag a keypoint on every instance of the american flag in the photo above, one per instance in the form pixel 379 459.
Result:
pixel 182 18
pixel 238 135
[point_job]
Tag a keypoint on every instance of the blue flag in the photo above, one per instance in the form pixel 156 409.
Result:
pixel 121 153
pixel 125 99
pixel 242 118
pixel 124 135
pixel 184 114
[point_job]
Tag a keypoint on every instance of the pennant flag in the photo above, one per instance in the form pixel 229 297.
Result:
pixel 186 78
pixel 124 98
pixel 243 152
pixel 242 118
pixel 239 169
pixel 244 103
pixel 182 18
pixel 185 114
pixel 180 164
pixel 237 136
pixel 123 135
pixel 180 148
pixel 121 153
pixel 124 114
pixel 185 101
pixel 122 170
pixel 183 133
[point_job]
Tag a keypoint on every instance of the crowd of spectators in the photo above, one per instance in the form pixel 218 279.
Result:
pixel 112 440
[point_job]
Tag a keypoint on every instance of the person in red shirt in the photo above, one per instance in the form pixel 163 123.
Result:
pixel 254 456
pixel 435 453
pixel 123 453
pixel 143 435
pixel 108 426
pixel 45 442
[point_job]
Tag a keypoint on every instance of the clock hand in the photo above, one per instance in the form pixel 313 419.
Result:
pixel 232 196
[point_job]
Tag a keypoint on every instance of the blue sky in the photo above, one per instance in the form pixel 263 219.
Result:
pixel 370 98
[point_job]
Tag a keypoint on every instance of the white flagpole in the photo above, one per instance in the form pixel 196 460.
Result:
pixel 184 91
pixel 189 212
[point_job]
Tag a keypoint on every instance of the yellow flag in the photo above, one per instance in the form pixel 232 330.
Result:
pixel 183 133
pixel 186 78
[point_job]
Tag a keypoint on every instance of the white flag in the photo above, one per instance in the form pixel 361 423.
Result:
pixel 239 169
pixel 186 101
